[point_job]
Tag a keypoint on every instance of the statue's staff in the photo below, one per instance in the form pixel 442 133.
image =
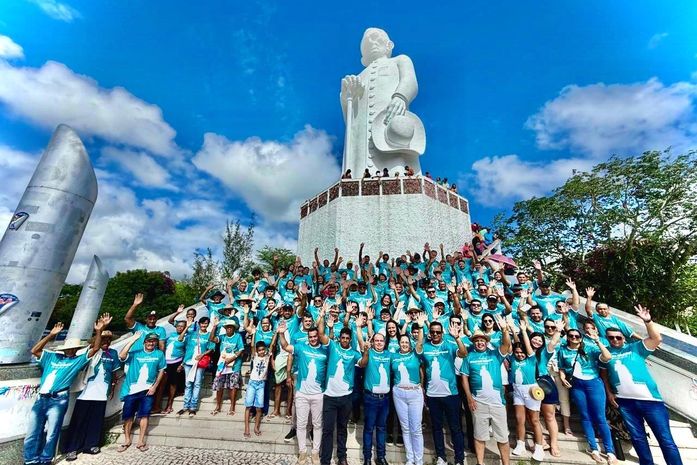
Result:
pixel 351 86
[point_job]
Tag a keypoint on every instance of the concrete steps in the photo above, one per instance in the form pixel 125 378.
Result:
pixel 225 432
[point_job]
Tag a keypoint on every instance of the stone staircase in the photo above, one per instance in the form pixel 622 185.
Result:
pixel 224 432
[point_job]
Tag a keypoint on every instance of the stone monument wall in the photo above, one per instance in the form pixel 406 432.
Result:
pixel 391 215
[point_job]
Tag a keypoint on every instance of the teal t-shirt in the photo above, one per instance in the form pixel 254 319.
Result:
pixel 59 371
pixel 194 340
pixel 376 377
pixel 141 371
pixel 548 302
pixel 585 367
pixel 522 371
pixel 543 360
pixel 144 331
pixel 264 336
pixel 611 321
pixel 232 344
pixel 174 348
pixel 312 367
pixel 341 369
pixel 439 361
pixel 484 372
pixel 628 375
pixel 406 369
pixel 215 309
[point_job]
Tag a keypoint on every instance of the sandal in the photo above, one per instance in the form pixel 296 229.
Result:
pixel 142 447
pixel 231 412
pixel 270 417
pixel 247 435
pixel 257 432
pixel 123 447
pixel 554 452
pixel 215 411
pixel 595 455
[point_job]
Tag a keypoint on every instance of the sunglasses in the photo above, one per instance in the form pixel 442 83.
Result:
pixel 475 305
pixel 436 332
pixel 550 327
pixel 573 336
pixel 615 338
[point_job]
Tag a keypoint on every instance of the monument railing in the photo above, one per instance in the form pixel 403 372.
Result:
pixel 386 186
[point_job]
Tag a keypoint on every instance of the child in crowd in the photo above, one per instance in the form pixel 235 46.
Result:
pixel 255 388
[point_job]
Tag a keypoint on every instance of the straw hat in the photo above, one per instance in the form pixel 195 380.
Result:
pixel 72 343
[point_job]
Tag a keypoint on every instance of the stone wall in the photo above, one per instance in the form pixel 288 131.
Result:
pixel 391 214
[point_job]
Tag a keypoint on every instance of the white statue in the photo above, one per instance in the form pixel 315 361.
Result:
pixel 381 132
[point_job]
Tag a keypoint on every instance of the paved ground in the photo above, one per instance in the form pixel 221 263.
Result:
pixel 160 455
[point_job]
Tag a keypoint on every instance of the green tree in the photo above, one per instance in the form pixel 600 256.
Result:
pixel 237 248
pixel 284 257
pixel 205 270
pixel 628 227
pixel 65 305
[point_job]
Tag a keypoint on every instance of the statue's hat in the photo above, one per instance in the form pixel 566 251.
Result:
pixel 404 133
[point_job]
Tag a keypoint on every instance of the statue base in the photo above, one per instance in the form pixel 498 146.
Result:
pixel 391 215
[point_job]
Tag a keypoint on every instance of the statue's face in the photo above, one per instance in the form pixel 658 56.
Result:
pixel 375 44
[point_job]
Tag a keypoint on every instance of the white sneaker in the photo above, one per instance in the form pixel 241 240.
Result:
pixel 302 458
pixel 519 449
pixel 409 463
pixel 440 461
pixel 539 454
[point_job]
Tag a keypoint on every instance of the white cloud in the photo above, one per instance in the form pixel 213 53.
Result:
pixel 9 48
pixel 496 180
pixel 656 39
pixel 16 167
pixel 273 178
pixel 57 10
pixel 600 119
pixel 54 94
pixel 142 166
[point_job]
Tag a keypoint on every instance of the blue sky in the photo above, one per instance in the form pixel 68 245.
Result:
pixel 195 114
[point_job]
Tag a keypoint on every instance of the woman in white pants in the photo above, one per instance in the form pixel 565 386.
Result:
pixel 409 398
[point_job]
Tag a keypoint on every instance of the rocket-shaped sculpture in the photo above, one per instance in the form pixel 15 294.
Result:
pixel 40 242
pixel 82 324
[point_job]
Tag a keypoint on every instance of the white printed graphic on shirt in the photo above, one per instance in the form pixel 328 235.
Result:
pixel 627 387
pixel 142 383
pixel 48 383
pixel 336 385
pixel 436 385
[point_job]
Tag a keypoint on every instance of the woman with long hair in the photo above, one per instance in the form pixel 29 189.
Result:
pixel 408 397
pixel 579 371
pixel 492 330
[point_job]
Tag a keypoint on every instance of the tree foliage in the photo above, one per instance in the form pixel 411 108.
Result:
pixel 628 227
pixel 265 257
pixel 206 270
pixel 237 248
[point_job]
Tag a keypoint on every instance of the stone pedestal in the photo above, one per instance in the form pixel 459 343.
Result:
pixel 391 215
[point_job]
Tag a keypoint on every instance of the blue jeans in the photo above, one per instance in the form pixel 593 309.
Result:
pixel 588 395
pixel 47 412
pixel 375 410
pixel 192 391
pixel 634 412
pixel 448 407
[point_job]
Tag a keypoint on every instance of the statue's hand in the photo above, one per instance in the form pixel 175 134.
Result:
pixel 397 107
pixel 351 86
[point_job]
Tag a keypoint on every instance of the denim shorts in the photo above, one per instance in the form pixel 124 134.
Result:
pixel 138 405
pixel 255 394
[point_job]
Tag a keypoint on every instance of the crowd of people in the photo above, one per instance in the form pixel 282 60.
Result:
pixel 390 343
pixel 407 172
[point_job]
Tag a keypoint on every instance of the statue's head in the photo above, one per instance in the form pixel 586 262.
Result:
pixel 375 44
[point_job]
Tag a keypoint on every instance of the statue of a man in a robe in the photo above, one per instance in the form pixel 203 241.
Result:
pixel 381 132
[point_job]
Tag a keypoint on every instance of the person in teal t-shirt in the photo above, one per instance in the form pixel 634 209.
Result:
pixel 59 369
pixel 376 387
pixel 311 361
pixel 483 386
pixel 408 396
pixel 150 325
pixel 228 372
pixel 438 357
pixel 337 402
pixel 144 372
pixel 604 319
pixel 631 387
pixel 579 371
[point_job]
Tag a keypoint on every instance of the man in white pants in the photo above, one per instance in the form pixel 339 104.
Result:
pixel 311 357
